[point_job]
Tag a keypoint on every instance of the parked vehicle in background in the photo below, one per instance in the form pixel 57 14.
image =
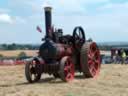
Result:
pixel 106 59
pixel 116 55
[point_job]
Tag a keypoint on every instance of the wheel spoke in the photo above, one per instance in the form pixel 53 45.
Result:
pixel 94 71
pixel 69 75
pixel 97 61
pixel 66 68
pixel 80 34
pixel 90 54
pixel 90 62
pixel 67 65
pixel 76 35
pixel 71 66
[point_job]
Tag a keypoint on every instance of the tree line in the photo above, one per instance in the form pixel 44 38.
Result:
pixel 15 46
pixel 109 47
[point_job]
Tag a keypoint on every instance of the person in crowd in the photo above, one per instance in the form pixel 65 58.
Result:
pixel 123 56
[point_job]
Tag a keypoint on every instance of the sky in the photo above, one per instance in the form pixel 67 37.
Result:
pixel 102 20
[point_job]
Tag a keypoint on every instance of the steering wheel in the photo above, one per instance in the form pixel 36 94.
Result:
pixel 78 37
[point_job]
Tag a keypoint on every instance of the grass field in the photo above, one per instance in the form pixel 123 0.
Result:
pixel 29 52
pixel 16 52
pixel 112 81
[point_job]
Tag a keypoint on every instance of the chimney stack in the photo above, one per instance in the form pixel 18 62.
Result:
pixel 48 21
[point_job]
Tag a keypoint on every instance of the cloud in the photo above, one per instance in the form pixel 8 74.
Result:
pixel 5 18
pixel 92 1
pixel 72 7
pixel 107 24
pixel 102 20
pixel 19 20
pixel 61 6
pixel 114 7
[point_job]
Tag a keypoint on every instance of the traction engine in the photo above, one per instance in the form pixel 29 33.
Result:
pixel 63 55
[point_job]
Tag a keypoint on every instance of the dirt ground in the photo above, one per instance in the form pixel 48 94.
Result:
pixel 112 81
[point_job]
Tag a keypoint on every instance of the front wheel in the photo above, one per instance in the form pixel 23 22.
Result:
pixel 30 72
pixel 66 69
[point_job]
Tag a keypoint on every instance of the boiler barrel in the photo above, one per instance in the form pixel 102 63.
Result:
pixel 51 51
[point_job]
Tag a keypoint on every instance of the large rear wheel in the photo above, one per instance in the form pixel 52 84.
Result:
pixel 90 59
pixel 66 69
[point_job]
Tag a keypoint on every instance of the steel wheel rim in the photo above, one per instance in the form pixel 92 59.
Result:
pixel 69 70
pixel 93 60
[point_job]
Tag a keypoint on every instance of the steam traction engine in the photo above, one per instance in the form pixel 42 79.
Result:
pixel 62 55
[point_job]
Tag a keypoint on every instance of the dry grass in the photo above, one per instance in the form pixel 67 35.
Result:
pixel 31 52
pixel 16 52
pixel 113 81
